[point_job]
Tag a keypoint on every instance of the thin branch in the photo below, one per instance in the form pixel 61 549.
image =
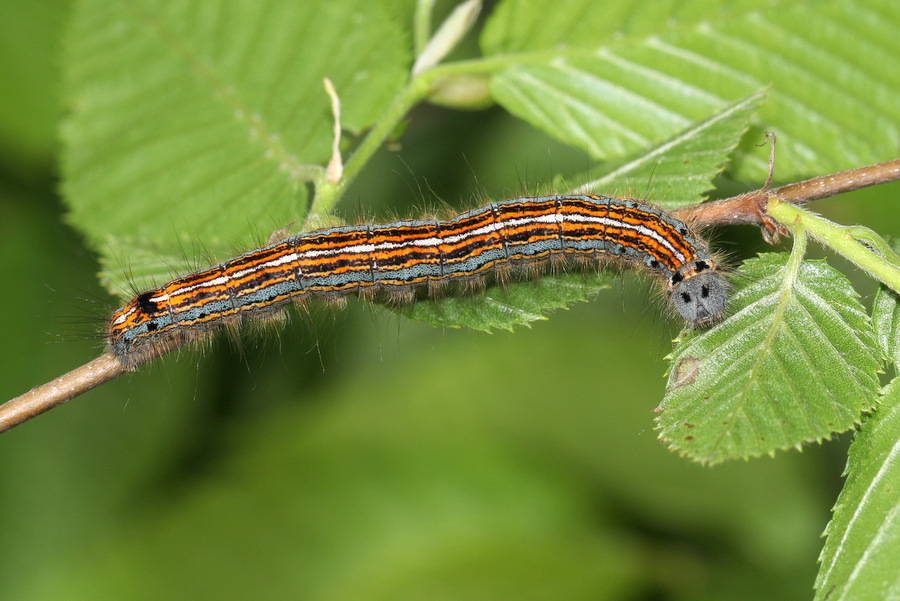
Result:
pixel 750 207
pixel 68 386
pixel 746 208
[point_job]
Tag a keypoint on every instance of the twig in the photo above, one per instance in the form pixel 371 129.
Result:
pixel 750 207
pixel 68 386
pixel 746 208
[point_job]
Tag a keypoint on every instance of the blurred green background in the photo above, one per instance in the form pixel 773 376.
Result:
pixel 357 455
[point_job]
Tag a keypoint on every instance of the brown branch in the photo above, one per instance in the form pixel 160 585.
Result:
pixel 68 386
pixel 749 208
pixel 746 208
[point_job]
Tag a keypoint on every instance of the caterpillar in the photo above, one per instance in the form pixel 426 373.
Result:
pixel 401 256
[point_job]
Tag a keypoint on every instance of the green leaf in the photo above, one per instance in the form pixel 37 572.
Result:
pixel 683 167
pixel 520 25
pixel 206 120
pixel 504 307
pixel 612 77
pixel 862 550
pixel 796 362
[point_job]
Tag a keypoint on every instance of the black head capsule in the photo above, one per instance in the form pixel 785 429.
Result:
pixel 699 292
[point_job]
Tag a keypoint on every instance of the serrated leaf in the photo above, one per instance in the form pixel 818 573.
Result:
pixel 505 307
pixel 612 77
pixel 204 120
pixel 682 168
pixel 796 362
pixel 862 550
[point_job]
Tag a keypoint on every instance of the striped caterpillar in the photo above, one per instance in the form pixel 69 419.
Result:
pixel 398 257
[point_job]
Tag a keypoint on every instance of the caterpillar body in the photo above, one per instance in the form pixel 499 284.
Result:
pixel 401 256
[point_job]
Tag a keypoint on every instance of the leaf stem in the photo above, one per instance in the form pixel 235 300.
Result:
pixel 843 240
pixel 417 89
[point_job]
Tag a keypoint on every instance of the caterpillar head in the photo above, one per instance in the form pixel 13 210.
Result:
pixel 699 292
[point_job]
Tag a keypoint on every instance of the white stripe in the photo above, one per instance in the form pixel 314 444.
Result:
pixel 283 260
pixel 640 229
pixel 493 228
pixel 121 318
